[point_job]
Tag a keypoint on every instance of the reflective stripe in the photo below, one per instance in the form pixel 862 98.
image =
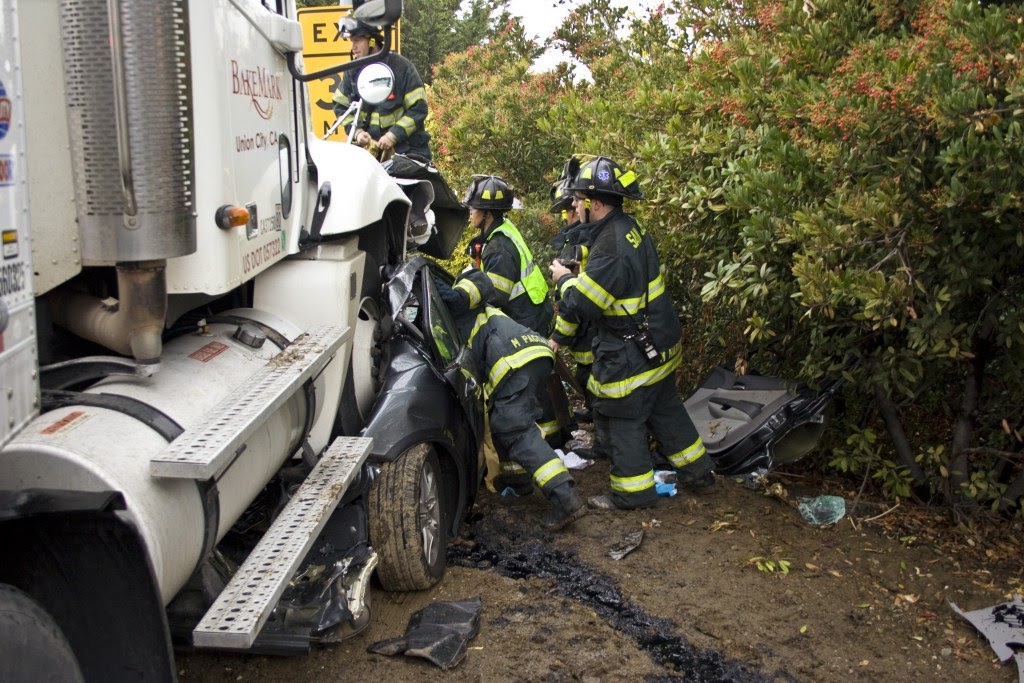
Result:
pixel 512 467
pixel 414 96
pixel 396 118
pixel 552 468
pixel 470 290
pixel 582 357
pixel 689 454
pixel 500 282
pixel 341 100
pixel 566 284
pixel 480 321
pixel 636 305
pixel 515 361
pixel 641 482
pixel 549 428
pixel 565 327
pixel 597 294
pixel 407 123
pixel 624 387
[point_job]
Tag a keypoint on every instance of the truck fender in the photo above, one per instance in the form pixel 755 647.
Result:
pixel 362 190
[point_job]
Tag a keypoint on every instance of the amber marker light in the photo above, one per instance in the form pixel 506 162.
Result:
pixel 231 217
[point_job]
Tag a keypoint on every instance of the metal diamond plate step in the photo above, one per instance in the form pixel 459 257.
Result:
pixel 206 450
pixel 243 607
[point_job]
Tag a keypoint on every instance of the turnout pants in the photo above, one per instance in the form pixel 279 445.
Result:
pixel 625 423
pixel 522 451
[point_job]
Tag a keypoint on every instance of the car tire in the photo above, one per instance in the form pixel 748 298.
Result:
pixel 32 646
pixel 407 526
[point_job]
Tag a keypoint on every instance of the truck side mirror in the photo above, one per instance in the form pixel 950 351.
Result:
pixel 378 11
pixel 375 83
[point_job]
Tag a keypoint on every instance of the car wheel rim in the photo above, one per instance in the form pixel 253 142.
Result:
pixel 430 515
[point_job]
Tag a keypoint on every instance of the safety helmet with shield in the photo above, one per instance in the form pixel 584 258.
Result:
pixel 602 176
pixel 489 193
pixel 561 192
pixel 561 197
pixel 353 28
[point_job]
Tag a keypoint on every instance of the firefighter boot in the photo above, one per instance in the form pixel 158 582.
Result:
pixel 697 476
pixel 566 508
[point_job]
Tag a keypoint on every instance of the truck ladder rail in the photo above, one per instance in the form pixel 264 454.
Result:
pixel 243 607
pixel 205 450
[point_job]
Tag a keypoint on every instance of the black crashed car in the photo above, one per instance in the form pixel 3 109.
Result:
pixel 426 425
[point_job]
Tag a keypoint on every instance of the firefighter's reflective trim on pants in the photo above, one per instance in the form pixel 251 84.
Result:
pixel 512 468
pixel 552 468
pixel 690 454
pixel 470 290
pixel 566 328
pixel 513 361
pixel 640 482
pixel 548 428
pixel 670 360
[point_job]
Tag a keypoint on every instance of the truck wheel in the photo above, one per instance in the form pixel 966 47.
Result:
pixel 406 521
pixel 32 646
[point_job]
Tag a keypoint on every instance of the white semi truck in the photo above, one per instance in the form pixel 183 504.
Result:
pixel 206 439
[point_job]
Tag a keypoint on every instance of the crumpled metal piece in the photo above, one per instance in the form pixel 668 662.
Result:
pixel 1003 626
pixel 438 633
pixel 628 544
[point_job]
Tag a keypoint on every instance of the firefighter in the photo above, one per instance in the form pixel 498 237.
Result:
pixel 569 243
pixel 637 347
pixel 573 244
pixel 521 290
pixel 513 361
pixel 398 123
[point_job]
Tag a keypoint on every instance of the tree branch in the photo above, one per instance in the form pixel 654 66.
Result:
pixel 904 453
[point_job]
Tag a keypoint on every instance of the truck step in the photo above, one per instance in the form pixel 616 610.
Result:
pixel 243 607
pixel 205 450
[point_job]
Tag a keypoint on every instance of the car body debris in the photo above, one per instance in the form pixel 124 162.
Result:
pixel 438 633
pixel 628 544
pixel 1003 626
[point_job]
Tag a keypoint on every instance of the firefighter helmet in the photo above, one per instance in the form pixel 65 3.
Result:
pixel 489 193
pixel 561 197
pixel 353 28
pixel 601 175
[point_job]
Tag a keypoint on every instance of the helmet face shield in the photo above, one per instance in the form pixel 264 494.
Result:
pixel 351 27
pixel 489 193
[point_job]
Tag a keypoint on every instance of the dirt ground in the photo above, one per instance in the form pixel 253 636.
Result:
pixel 863 600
